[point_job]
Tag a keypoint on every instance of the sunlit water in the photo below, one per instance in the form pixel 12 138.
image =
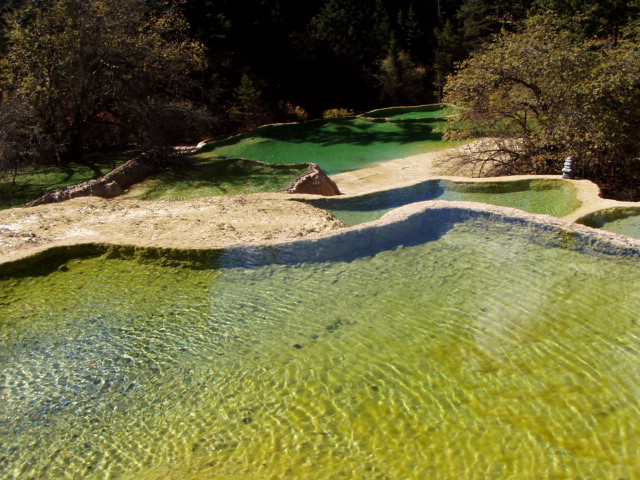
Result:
pixel 629 226
pixel 476 349
pixel 336 145
pixel 624 220
pixel 550 197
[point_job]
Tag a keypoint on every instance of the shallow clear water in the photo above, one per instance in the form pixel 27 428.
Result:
pixel 469 352
pixel 624 220
pixel 336 145
pixel 550 197
pixel 629 226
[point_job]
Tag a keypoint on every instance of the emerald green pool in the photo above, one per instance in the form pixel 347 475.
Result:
pixel 624 220
pixel 336 145
pixel 228 167
pixel 451 345
pixel 550 197
pixel 218 177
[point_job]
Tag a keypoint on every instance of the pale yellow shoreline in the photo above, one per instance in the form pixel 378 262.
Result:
pixel 218 222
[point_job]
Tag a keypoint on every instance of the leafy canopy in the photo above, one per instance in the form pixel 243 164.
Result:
pixel 543 95
pixel 85 74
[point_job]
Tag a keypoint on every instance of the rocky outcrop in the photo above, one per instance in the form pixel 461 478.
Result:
pixel 316 182
pixel 113 183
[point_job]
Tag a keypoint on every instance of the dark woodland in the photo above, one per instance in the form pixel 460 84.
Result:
pixel 79 76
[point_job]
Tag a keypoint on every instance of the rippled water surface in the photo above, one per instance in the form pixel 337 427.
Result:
pixel 478 354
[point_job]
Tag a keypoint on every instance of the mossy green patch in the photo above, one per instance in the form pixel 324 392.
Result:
pixel 34 182
pixel 217 176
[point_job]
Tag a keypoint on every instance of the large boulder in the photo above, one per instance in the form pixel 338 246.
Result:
pixel 316 182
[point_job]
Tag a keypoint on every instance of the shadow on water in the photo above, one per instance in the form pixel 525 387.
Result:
pixel 345 247
pixel 623 220
pixel 419 228
pixel 416 229
pixel 551 197
pixel 356 132
pixel 32 182
pixel 600 218
pixel 351 245
pixel 339 132
pixel 388 199
pixel 197 370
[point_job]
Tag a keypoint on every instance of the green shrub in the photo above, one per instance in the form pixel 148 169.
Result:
pixel 337 113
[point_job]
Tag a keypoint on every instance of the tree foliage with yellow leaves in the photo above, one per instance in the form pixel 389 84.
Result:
pixel 543 95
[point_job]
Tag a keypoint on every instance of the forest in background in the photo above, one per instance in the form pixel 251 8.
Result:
pixel 79 76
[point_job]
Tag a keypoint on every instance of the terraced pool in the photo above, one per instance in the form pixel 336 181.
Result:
pixel 218 177
pixel 413 113
pixel 233 166
pixel 624 220
pixel 551 197
pixel 452 344
pixel 336 145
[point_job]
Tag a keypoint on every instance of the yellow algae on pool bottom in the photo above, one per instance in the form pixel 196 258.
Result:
pixel 478 354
